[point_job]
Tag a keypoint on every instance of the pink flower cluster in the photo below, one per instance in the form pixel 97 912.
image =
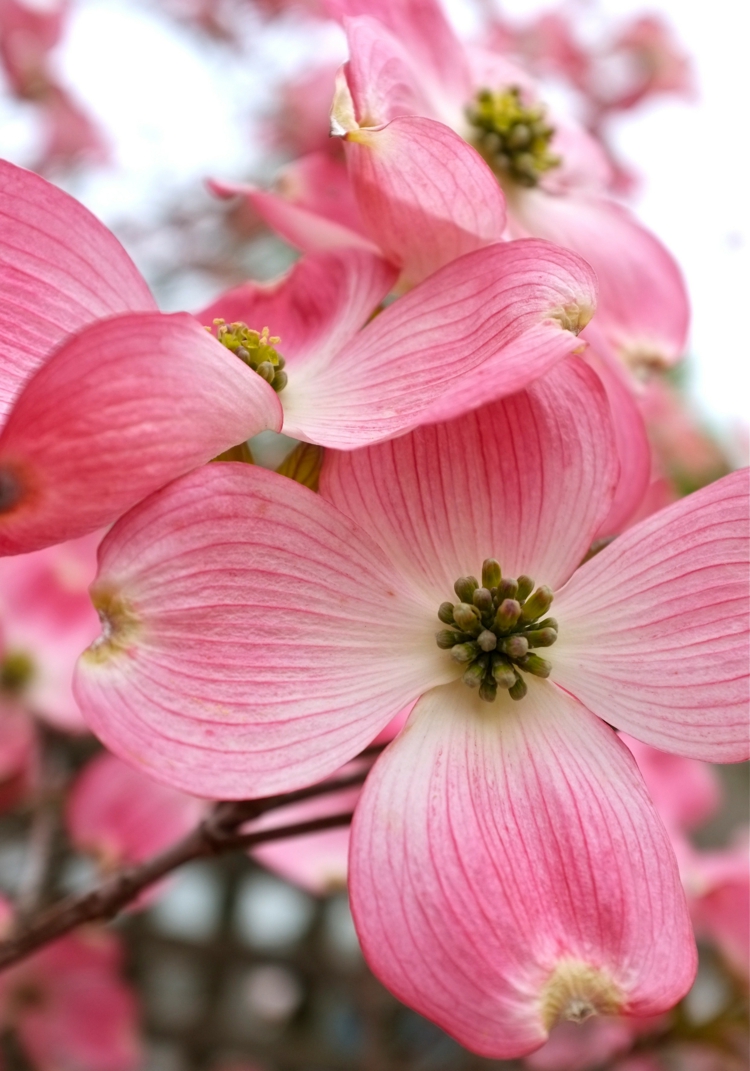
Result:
pixel 464 338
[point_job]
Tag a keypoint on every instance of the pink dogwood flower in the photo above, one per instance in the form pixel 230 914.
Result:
pixel 111 399
pixel 507 868
pixel 45 616
pixel 121 816
pixel 408 80
pixel 69 1006
pixel 103 398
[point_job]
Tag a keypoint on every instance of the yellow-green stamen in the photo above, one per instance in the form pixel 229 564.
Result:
pixel 256 349
pixel 494 629
pixel 513 137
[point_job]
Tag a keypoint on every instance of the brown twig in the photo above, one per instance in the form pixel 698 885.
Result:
pixel 211 837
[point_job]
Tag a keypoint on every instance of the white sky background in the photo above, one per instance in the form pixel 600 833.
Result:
pixel 177 111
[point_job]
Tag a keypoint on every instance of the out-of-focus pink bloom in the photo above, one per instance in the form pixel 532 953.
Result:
pixel 28 33
pixel 687 793
pixel 70 1008
pixel 45 616
pixel 718 887
pixel 590 1045
pixel 121 816
pixel 326 608
pixel 18 753
pixel 317 862
pixel 407 71
pixel 104 398
pixel 684 451
pixel 301 124
pixel 611 75
pixel 482 327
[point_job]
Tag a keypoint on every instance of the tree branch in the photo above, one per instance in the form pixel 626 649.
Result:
pixel 219 832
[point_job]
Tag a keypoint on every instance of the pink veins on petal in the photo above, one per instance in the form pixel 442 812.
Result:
pixel 258 647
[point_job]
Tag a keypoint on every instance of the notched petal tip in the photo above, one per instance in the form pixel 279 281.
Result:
pixel 120 626
pixel 574 315
pixel 576 991
pixel 343 118
pixel 11 490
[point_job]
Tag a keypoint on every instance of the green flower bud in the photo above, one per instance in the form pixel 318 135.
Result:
pixel 519 689
pixel 280 380
pixel 467 618
pixel 515 646
pixel 266 370
pixel 525 587
pixel 541 637
pixel 508 613
pixel 473 675
pixel 445 613
pixel 503 673
pixel 487 640
pixel 482 599
pixel 537 604
pixel 488 689
pixel 491 573
pixel 548 622
pixel 532 663
pixel 506 589
pixel 464 652
pixel 465 587
pixel 447 638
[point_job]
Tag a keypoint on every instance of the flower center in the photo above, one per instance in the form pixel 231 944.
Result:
pixel 16 670
pixel 513 137
pixel 257 350
pixel 494 628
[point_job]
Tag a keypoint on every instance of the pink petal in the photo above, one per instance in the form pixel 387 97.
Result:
pixel 312 205
pixel 491 850
pixel 425 33
pixel 633 447
pixel 122 816
pixel 87 1017
pixel 126 405
pixel 381 76
pixel 315 309
pixel 686 792
pixel 426 197
pixel 643 308
pixel 483 326
pixel 653 630
pixel 254 647
pixel 47 615
pixel 316 862
pixel 442 499
pixel 60 269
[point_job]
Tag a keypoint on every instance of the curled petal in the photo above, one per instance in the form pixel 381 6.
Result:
pixel 60 269
pixel 505 481
pixel 121 816
pixel 311 206
pixel 643 310
pixel 686 792
pixel 484 326
pixel 423 30
pixel 253 647
pixel 633 447
pixel 508 870
pixel 426 197
pixel 119 410
pixel 654 629
pixel 315 309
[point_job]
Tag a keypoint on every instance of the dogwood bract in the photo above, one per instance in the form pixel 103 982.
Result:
pixel 507 866
pixel 110 399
